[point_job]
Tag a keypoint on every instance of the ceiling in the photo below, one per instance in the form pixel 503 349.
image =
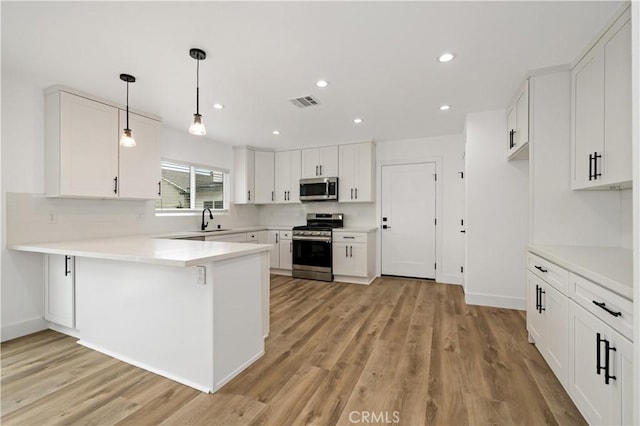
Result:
pixel 379 57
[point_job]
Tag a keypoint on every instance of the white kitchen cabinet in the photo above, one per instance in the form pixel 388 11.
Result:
pixel 272 237
pixel 83 157
pixel 356 175
pixel 320 162
pixel 60 290
pixel 354 256
pixel 601 111
pixel 240 237
pixel 288 177
pixel 518 125
pixel 139 174
pixel 264 175
pixel 286 250
pixel 596 352
pixel 547 311
pixel 243 175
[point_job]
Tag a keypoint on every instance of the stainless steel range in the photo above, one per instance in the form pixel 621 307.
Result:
pixel 312 253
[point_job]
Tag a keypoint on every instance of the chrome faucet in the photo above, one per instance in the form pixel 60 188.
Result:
pixel 204 225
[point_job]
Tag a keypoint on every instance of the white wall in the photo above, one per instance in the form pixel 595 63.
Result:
pixel 560 216
pixel 449 151
pixel 25 209
pixel 496 215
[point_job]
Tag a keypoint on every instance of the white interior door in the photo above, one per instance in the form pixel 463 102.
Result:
pixel 408 220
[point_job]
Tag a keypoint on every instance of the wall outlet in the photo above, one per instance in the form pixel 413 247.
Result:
pixel 201 277
pixel 52 218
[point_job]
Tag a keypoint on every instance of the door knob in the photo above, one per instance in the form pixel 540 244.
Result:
pixel 386 227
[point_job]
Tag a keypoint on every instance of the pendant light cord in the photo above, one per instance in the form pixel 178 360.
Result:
pixel 127 104
pixel 198 88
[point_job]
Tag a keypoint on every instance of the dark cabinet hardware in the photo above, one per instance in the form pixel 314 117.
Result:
pixel 115 185
pixel 541 269
pixel 356 193
pixel 384 219
pixel 537 298
pixel 346 251
pixel 511 143
pixel 541 307
pixel 349 238
pixel 607 349
pixel 593 166
pixel 604 306
pixel 160 187
pixel 316 170
pixel 271 195
pixel 463 231
pixel 67 271
pixel 352 193
pixel 320 169
pixel 350 251
pixel 248 195
pixel 277 237
pixel 386 227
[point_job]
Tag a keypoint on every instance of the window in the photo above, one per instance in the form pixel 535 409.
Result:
pixel 188 187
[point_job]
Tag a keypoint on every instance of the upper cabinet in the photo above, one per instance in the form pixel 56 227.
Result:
pixel 265 177
pixel 253 176
pixel 601 111
pixel 243 176
pixel 83 157
pixel 356 173
pixel 518 125
pixel 288 176
pixel 320 162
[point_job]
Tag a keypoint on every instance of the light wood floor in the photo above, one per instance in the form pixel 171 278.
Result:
pixel 398 349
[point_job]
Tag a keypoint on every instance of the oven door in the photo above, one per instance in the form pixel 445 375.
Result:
pixel 312 254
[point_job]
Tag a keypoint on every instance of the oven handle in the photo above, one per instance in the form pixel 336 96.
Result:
pixel 319 239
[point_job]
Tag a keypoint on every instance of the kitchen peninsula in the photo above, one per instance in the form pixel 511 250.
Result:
pixel 192 311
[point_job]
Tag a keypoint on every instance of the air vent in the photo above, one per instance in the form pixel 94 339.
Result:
pixel 305 101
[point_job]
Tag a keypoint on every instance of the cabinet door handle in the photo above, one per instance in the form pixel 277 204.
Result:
pixel 66 265
pixel 316 170
pixel 511 133
pixel 160 188
pixel 537 298
pixel 541 269
pixel 352 193
pixel 277 238
pixel 604 306
pixel 356 193
pixel 596 175
pixel 320 169
pixel 248 195
pixel 115 185
pixel 346 251
pixel 272 193
pixel 607 349
pixel 350 251
pixel 590 167
pixel 598 341
pixel 349 238
pixel 541 307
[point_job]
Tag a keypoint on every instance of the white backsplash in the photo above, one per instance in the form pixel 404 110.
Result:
pixel 626 218
pixel 355 215
pixel 28 218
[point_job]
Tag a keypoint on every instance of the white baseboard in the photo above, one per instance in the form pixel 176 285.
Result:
pixel 23 328
pixel 495 301
pixel 353 280
pixel 449 279
pixel 237 371
pixel 65 330
pixel 285 272
pixel 135 363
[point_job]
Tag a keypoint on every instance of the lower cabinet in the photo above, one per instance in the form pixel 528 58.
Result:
pixel 600 369
pixel 547 311
pixel 60 290
pixel 353 256
pixel 271 237
pixel 286 250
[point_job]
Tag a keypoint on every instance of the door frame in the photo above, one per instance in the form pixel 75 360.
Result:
pixel 408 161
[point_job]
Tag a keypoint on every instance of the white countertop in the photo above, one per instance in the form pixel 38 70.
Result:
pixel 146 249
pixel 357 229
pixel 610 267
pixel 213 231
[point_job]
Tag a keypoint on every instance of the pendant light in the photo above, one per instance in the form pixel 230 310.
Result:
pixel 126 139
pixel 197 127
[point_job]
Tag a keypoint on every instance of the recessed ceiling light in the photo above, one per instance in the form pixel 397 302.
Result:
pixel 276 132
pixel 444 107
pixel 357 120
pixel 322 83
pixel 446 57
pixel 218 106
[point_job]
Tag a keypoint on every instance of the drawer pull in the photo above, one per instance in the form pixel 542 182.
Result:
pixel 349 238
pixel 541 269
pixel 604 306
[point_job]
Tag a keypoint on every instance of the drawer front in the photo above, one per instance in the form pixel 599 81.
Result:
pixel 235 238
pixel 353 237
pixel 550 272
pixel 614 310
pixel 285 235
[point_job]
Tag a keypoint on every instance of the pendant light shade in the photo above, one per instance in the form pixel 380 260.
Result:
pixel 126 139
pixel 197 126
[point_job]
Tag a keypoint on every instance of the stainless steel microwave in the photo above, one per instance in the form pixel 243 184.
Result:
pixel 319 189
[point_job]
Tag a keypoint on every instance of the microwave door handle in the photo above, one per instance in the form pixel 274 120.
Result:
pixel 327 189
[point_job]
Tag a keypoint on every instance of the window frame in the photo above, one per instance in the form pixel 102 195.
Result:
pixel 192 211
